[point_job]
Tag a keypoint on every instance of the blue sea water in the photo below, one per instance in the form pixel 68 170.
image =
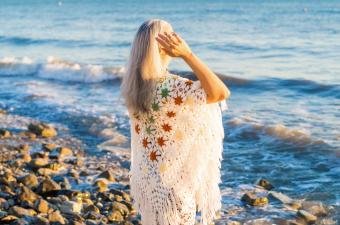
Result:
pixel 60 62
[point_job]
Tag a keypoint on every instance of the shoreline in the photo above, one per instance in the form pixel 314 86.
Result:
pixel 51 179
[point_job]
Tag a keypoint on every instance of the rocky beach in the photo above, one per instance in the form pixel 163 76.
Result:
pixel 65 132
pixel 46 178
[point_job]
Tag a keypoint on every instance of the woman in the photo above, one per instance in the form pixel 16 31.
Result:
pixel 176 130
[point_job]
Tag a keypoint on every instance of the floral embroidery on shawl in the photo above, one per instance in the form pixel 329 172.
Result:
pixel 167 144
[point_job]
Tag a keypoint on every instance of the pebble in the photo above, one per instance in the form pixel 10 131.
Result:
pixel 108 175
pixel 21 212
pixel 251 199
pixel 71 207
pixel 42 129
pixel 265 184
pixel 56 217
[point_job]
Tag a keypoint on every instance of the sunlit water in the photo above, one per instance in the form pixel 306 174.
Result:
pixel 60 61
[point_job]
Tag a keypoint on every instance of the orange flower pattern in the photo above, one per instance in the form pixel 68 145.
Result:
pixel 156 129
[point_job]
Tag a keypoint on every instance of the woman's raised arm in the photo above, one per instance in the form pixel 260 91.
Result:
pixel 175 46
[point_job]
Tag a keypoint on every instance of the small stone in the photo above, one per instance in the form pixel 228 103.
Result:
pixel 108 175
pixel 39 220
pixel 84 173
pixel 41 206
pixel 3 214
pixel 101 184
pixel 265 184
pixel 91 208
pixel 281 197
pixel 122 208
pixel 28 134
pixel 56 217
pixel 7 178
pixel 39 162
pixel 21 212
pixel 42 129
pixel 125 195
pixel 26 157
pixel 27 195
pixel 30 180
pixel 49 147
pixel 91 222
pixel 8 219
pixel 314 207
pixel 45 171
pixel 4 204
pixel 115 216
pixel 3 112
pixel 71 207
pixel 63 151
pixel 5 133
pixel 306 216
pixel 23 148
pixel 48 185
pixel 251 199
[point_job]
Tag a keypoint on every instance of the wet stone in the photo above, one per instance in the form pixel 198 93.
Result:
pixel 42 129
pixel 27 195
pixel 5 133
pixel 56 217
pixel 251 199
pixel 101 184
pixel 49 147
pixel 39 220
pixel 314 207
pixel 265 184
pixel 71 207
pixel 115 216
pixel 41 206
pixel 108 175
pixel 30 180
pixel 306 216
pixel 48 185
pixel 21 212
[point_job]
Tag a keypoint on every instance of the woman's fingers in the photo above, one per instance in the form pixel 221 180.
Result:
pixel 163 42
pixel 177 37
pixel 166 37
pixel 171 39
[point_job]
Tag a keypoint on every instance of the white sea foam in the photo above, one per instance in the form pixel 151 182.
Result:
pixel 17 66
pixel 59 69
pixel 250 127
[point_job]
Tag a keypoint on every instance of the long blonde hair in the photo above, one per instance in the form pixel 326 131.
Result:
pixel 144 65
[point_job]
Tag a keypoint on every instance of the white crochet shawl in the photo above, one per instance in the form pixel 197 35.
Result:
pixel 176 153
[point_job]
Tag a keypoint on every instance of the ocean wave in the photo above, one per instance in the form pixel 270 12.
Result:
pixel 275 84
pixel 249 128
pixel 66 71
pixel 59 69
pixel 17 66
pixel 62 70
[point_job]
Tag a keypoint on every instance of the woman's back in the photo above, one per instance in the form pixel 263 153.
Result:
pixel 176 151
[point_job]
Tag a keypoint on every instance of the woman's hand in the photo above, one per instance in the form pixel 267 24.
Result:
pixel 173 45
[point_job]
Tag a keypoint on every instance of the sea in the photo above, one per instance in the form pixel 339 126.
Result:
pixel 61 62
